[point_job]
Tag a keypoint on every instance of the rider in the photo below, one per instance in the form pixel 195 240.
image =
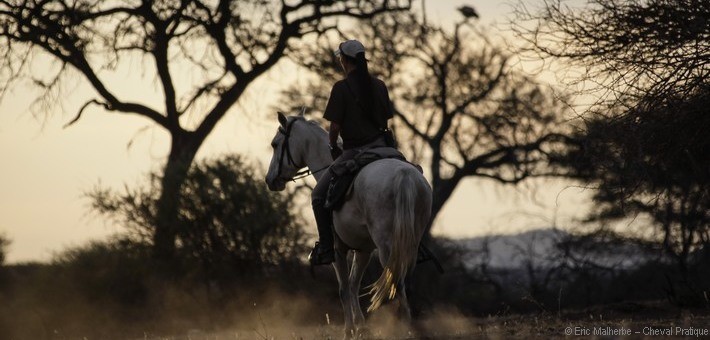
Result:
pixel 358 109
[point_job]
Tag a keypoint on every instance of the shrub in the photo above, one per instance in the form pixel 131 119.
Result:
pixel 229 224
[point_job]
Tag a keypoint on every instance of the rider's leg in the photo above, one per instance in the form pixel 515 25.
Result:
pixel 324 222
pixel 323 251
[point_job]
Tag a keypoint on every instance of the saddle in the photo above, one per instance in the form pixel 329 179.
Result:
pixel 344 173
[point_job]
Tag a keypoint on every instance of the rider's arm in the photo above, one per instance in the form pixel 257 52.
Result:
pixel 334 112
pixel 333 133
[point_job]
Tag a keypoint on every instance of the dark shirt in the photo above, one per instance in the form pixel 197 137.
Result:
pixel 343 108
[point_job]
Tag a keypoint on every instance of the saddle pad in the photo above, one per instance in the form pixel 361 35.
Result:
pixel 344 173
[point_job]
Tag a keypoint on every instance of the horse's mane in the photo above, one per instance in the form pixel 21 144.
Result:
pixel 315 123
pixel 311 123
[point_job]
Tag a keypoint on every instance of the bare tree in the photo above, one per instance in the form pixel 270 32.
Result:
pixel 459 105
pixel 227 43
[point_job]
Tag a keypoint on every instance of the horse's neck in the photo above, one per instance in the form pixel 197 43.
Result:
pixel 318 156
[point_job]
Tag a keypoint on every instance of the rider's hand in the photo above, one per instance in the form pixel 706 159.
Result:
pixel 335 151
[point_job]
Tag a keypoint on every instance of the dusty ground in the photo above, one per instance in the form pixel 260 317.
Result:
pixel 628 320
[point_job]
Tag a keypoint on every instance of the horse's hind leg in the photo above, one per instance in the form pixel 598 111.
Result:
pixel 405 312
pixel 360 261
pixel 341 272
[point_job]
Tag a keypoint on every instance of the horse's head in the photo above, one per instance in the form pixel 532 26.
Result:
pixel 289 152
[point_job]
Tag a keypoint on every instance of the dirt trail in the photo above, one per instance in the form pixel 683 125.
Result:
pixel 629 320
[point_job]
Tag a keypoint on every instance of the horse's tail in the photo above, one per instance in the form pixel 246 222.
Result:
pixel 405 242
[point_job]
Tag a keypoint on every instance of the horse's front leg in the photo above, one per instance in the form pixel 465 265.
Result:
pixel 341 272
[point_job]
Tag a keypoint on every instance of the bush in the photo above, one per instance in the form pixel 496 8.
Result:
pixel 229 224
pixel 116 270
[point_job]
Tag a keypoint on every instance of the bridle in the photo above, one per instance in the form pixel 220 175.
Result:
pixel 286 152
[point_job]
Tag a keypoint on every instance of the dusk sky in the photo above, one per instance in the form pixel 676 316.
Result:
pixel 46 169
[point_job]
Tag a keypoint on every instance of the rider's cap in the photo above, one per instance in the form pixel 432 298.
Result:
pixel 350 48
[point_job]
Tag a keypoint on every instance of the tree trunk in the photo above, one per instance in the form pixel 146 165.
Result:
pixel 182 152
pixel 442 189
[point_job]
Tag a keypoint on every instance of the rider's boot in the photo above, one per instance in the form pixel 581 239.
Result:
pixel 323 252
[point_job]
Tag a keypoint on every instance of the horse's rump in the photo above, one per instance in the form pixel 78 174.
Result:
pixel 390 209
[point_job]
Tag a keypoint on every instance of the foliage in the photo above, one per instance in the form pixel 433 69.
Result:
pixel 645 145
pixel 654 163
pixel 631 49
pixel 116 265
pixel 459 104
pixel 229 224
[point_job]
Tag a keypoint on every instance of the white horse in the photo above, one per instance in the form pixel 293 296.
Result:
pixel 388 211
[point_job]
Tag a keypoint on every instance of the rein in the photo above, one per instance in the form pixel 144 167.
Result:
pixel 307 172
pixel 286 151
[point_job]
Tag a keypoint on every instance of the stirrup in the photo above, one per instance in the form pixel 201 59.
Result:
pixel 320 255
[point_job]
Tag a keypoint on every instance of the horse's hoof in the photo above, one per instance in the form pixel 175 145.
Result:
pixel 359 334
pixel 364 333
pixel 350 334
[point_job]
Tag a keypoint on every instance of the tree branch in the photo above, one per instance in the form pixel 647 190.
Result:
pixel 81 111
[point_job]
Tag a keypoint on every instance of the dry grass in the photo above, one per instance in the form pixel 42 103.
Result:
pixel 449 325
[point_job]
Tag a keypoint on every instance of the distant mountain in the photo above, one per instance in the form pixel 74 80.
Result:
pixel 512 251
pixel 539 247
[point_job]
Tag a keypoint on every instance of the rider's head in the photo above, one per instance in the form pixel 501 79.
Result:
pixel 351 54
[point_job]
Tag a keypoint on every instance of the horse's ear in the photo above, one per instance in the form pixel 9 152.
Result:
pixel 282 119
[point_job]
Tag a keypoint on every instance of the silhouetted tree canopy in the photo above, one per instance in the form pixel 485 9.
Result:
pixel 654 163
pixel 645 143
pixel 631 49
pixel 228 222
pixel 459 105
pixel 201 54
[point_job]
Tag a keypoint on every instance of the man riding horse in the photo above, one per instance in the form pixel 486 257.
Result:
pixel 388 207
pixel 358 109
